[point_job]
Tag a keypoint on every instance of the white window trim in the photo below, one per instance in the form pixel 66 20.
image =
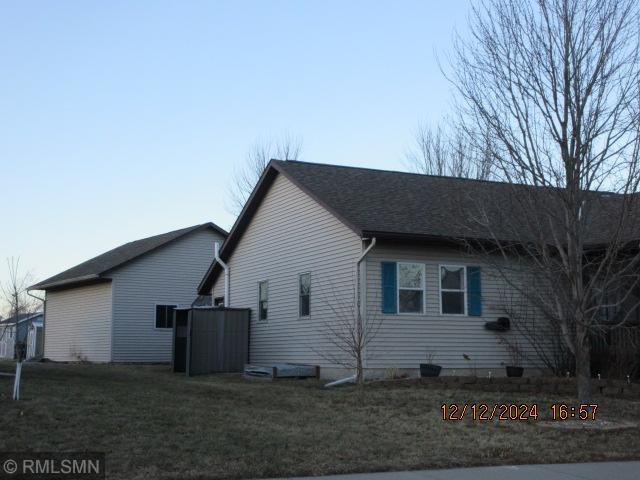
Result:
pixel 299 295
pixel 163 304
pixel 464 289
pixel 258 310
pixel 422 288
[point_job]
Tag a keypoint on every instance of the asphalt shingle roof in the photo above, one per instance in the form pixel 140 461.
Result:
pixel 95 267
pixel 398 204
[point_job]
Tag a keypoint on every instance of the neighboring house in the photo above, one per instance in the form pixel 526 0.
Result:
pixel 292 257
pixel 29 331
pixel 118 306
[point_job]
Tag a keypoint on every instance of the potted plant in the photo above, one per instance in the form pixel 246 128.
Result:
pixel 430 369
pixel 514 370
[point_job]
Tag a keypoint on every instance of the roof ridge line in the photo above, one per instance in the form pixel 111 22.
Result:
pixel 448 177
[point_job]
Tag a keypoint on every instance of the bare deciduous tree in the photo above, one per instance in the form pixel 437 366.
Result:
pixel 555 83
pixel 246 176
pixel 349 332
pixel 543 344
pixel 14 291
pixel 438 151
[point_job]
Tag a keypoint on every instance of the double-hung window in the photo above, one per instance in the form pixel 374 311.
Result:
pixel 304 295
pixel 410 287
pixel 164 316
pixel 453 293
pixel 263 300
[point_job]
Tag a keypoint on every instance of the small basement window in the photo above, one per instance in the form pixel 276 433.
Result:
pixel 164 316
pixel 263 300
pixel 410 287
pixel 453 290
pixel 304 293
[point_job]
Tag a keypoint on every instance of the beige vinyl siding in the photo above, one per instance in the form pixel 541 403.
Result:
pixel 78 324
pixel 403 339
pixel 291 234
pixel 218 287
pixel 169 275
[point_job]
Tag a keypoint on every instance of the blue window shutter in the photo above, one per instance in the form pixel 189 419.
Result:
pixel 389 304
pixel 474 292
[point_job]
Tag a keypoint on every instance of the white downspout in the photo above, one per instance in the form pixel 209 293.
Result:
pixel 44 315
pixel 358 305
pixel 226 273
pixel 362 285
pixel 359 299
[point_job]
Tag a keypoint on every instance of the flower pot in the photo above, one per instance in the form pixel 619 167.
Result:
pixel 514 371
pixel 429 370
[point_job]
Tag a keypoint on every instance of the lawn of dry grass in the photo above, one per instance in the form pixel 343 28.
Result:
pixel 152 423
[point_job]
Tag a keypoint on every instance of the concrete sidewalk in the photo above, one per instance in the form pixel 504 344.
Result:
pixel 561 471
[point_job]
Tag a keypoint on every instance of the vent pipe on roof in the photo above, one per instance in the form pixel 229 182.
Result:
pixel 226 273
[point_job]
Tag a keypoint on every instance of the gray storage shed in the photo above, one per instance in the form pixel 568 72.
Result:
pixel 210 340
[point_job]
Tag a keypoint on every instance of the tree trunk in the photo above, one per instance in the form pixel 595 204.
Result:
pixel 583 363
pixel 359 369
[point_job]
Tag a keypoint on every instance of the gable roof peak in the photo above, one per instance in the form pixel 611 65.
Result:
pixel 401 205
pixel 92 270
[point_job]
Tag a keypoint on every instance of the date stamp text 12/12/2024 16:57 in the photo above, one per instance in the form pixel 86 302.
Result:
pixel 522 411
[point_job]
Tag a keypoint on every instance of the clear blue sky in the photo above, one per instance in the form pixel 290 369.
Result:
pixel 122 119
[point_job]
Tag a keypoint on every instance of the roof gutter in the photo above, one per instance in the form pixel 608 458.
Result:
pixel 226 274
pixel 46 286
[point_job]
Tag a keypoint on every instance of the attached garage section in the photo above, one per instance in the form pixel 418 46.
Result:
pixel 78 324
